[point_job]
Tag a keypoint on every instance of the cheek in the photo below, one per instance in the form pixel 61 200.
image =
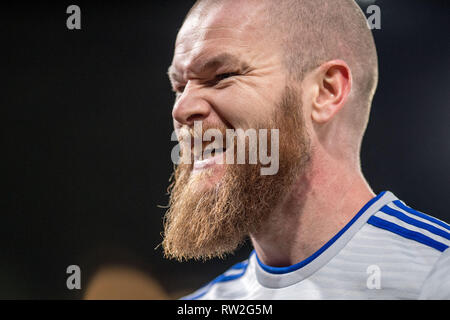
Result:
pixel 242 105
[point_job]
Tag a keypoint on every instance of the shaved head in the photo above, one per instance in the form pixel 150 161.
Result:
pixel 315 31
pixel 312 32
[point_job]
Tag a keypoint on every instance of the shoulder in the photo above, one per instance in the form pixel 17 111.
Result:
pixel 225 286
pixel 437 283
pixel 409 247
pixel 412 227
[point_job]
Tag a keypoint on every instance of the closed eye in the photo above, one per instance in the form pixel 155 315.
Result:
pixel 226 75
pixel 222 76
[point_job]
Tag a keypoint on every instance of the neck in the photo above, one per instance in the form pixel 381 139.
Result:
pixel 324 199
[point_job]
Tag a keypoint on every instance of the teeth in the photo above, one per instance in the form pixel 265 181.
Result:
pixel 209 153
pixel 208 158
pixel 212 152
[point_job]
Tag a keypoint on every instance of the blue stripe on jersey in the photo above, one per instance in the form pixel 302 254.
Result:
pixel 401 205
pixel 240 265
pixel 400 215
pixel 409 234
pixel 281 270
pixel 222 278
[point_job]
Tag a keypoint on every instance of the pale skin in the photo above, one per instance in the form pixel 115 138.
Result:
pixel 237 93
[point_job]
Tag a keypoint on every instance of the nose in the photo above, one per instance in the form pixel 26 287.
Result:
pixel 190 106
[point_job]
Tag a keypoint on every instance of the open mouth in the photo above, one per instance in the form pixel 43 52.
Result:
pixel 211 156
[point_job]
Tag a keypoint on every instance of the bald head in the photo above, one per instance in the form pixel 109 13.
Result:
pixel 312 32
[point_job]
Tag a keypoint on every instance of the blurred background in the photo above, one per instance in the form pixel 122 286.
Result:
pixel 85 141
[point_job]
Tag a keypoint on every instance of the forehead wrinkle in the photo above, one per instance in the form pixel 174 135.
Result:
pixel 191 34
pixel 201 33
pixel 214 62
pixel 200 43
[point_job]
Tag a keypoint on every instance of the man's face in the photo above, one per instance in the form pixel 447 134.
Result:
pixel 228 75
pixel 225 72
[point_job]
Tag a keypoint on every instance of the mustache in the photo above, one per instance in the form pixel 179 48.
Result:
pixel 199 139
pixel 197 132
pixel 257 145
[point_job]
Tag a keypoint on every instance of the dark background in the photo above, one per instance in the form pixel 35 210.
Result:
pixel 86 124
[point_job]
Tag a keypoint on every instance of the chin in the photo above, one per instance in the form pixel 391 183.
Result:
pixel 208 177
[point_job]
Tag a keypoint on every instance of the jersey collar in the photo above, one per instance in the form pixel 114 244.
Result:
pixel 278 277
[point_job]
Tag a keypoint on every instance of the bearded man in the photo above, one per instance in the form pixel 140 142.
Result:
pixel 307 68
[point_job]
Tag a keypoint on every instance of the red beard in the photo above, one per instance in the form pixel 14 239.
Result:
pixel 203 223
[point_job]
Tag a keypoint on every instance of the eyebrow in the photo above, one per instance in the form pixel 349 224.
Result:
pixel 211 63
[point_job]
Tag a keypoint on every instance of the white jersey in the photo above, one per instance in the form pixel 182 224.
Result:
pixel 387 251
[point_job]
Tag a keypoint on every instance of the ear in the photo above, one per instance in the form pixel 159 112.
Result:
pixel 334 83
